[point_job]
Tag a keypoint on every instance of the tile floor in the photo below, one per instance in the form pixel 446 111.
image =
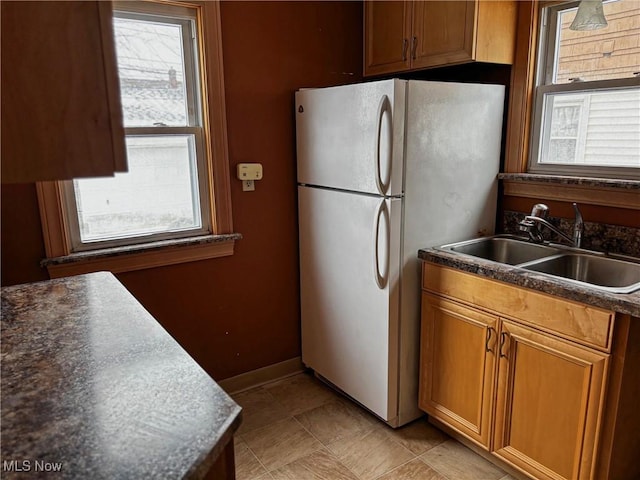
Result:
pixel 299 429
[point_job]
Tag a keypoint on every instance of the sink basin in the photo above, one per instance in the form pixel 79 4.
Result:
pixel 574 265
pixel 612 275
pixel 503 249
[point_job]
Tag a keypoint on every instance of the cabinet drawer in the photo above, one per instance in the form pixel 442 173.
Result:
pixel 591 326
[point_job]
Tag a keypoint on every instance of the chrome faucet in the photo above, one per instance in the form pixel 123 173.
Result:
pixel 538 218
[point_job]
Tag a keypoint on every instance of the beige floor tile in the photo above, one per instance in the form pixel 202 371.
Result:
pixel 336 420
pixel 280 443
pixel 300 393
pixel 418 436
pixel 259 409
pixel 320 465
pixel 456 461
pixel 247 465
pixel 414 470
pixel 370 454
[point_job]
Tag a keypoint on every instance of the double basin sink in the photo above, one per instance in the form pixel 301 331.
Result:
pixel 597 270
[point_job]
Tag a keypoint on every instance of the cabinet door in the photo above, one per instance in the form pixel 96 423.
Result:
pixel 387 32
pixel 458 346
pixel 442 33
pixel 61 102
pixel 548 404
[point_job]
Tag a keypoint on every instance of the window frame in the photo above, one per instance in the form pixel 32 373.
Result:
pixel 63 260
pixel 516 181
pixel 544 75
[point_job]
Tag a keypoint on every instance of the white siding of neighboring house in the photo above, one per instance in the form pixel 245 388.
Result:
pixel 613 129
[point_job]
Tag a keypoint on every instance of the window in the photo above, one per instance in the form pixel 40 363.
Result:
pixel 176 192
pixel 164 194
pixel 587 96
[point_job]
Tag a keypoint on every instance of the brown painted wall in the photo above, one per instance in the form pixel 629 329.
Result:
pixel 237 313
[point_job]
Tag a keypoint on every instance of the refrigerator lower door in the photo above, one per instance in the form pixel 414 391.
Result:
pixel 349 255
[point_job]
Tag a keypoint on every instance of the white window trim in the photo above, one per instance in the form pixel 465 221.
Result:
pixel 544 86
pixel 61 261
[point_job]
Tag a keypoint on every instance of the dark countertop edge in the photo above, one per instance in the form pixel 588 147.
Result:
pixel 140 248
pixel 201 466
pixel 568 180
pixel 621 303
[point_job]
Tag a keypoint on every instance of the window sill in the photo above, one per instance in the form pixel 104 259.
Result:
pixel 595 191
pixel 138 257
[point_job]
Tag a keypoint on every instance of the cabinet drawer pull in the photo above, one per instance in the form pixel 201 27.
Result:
pixel 414 47
pixel 405 46
pixel 503 339
pixel 486 344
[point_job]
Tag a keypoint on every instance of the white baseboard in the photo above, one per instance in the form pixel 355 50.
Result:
pixel 263 375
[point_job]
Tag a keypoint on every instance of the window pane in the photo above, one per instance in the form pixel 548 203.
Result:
pixel 599 129
pixel 151 69
pixel 158 194
pixel 603 54
pixel 562 151
pixel 565 120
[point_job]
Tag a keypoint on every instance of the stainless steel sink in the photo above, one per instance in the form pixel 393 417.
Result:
pixel 502 248
pixel 593 269
pixel 606 273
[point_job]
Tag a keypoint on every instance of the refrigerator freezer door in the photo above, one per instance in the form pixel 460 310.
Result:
pixel 349 293
pixel 351 137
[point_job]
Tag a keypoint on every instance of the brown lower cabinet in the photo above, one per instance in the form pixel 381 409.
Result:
pixel 543 384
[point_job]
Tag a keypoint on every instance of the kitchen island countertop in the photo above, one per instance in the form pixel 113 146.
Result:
pixel 94 387
pixel 618 302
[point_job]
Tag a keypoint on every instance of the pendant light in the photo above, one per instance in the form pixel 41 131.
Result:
pixel 590 16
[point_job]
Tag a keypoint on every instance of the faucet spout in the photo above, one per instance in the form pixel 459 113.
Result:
pixel 532 224
pixel 545 223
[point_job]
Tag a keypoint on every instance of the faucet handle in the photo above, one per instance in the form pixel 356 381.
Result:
pixel 540 210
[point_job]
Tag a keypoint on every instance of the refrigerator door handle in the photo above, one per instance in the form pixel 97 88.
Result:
pixel 383 184
pixel 382 277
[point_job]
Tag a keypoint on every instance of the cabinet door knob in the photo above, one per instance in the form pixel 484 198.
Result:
pixel 414 47
pixel 405 46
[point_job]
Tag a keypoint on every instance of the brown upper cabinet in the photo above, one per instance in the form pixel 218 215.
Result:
pixel 61 114
pixel 412 35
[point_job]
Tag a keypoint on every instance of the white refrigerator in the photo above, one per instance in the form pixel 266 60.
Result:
pixel 385 168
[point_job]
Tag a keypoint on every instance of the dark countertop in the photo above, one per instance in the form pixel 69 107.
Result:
pixel 568 180
pixel 622 303
pixel 90 380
